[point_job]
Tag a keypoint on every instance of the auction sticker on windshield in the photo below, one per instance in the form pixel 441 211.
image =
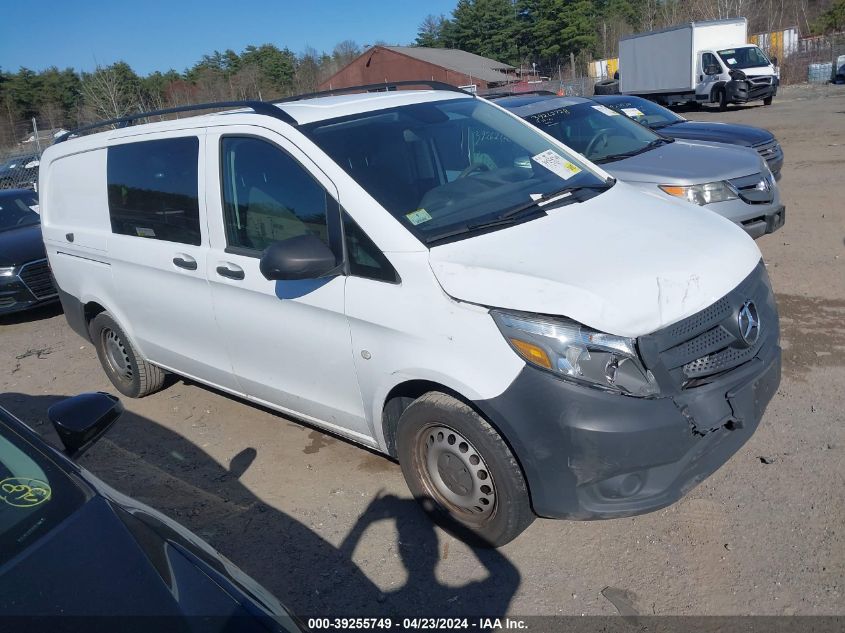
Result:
pixel 633 111
pixel 605 110
pixel 418 217
pixel 24 492
pixel 555 163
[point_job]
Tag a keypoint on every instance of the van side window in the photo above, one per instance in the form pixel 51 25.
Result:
pixel 365 258
pixel 153 189
pixel 707 60
pixel 268 196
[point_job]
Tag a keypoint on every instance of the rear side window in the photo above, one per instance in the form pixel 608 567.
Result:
pixel 153 189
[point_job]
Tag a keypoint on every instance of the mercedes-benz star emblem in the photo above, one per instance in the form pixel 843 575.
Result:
pixel 749 323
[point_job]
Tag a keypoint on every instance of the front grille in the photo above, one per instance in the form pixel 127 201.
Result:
pixel 707 344
pixel 762 80
pixel 754 189
pixel 770 151
pixel 37 278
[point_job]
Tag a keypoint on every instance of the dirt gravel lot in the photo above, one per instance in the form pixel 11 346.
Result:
pixel 330 529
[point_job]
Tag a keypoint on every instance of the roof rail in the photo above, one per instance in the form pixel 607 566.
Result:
pixel 386 86
pixel 259 107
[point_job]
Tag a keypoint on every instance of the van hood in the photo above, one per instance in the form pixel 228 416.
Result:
pixel 686 163
pixel 624 262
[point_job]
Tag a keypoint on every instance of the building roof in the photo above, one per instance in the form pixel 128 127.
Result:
pixel 483 68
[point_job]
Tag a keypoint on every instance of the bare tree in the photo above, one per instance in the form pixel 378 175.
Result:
pixel 111 92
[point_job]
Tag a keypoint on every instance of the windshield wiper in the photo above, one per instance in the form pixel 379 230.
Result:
pixel 549 197
pixel 650 145
pixel 518 213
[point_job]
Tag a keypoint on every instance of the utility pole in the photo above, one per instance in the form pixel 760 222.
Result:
pixel 37 140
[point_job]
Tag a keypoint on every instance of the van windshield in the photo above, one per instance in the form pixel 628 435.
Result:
pixel 596 131
pixel 744 57
pixel 449 167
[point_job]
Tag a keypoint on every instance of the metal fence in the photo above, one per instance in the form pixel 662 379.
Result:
pixel 20 155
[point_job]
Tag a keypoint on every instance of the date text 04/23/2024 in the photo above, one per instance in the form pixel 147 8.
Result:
pixel 414 624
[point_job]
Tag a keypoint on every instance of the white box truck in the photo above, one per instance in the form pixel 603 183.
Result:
pixel 701 62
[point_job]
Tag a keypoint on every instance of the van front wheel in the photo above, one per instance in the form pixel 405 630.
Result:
pixel 128 371
pixel 461 470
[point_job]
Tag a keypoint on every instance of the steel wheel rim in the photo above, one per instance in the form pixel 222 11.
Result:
pixel 455 474
pixel 117 355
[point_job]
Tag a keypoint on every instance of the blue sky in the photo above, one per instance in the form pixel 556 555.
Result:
pixel 158 35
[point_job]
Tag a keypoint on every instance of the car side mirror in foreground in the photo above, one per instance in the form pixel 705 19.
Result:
pixel 81 420
pixel 300 257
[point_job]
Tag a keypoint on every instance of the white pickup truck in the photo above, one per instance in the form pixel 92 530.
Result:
pixel 698 62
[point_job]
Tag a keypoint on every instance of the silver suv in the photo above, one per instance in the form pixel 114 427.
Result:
pixel 732 181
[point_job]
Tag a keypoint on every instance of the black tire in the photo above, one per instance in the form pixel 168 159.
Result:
pixel 490 504
pixel 128 371
pixel 767 101
pixel 722 99
pixel 606 87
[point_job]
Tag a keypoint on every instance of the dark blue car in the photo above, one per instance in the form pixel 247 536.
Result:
pixel 25 279
pixel 76 554
pixel 673 125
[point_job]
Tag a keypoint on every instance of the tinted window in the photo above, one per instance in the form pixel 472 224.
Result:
pixel 16 210
pixel 268 196
pixel 643 111
pixel 365 258
pixel 709 59
pixel 153 189
pixel 594 130
pixel 445 166
pixel 35 495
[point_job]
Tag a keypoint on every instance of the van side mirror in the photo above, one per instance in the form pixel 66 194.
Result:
pixel 296 258
pixel 774 61
pixel 712 69
pixel 82 420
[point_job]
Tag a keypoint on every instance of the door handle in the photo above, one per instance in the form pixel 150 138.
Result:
pixel 236 272
pixel 185 261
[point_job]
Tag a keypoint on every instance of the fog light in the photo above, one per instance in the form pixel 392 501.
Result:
pixel 621 486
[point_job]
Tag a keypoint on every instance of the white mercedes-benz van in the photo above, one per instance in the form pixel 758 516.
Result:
pixel 423 273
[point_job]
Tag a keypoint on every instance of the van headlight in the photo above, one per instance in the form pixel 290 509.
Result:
pixel 707 193
pixel 575 352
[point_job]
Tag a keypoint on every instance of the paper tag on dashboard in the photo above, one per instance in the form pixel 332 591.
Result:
pixel 418 217
pixel 605 110
pixel 633 112
pixel 731 60
pixel 556 164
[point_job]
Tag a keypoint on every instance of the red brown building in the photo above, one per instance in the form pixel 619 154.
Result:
pixel 384 64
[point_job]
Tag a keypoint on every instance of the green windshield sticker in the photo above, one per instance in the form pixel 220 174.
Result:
pixel 418 217
pixel 24 492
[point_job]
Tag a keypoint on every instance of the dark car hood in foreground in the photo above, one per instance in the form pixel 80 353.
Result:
pixel 718 132
pixel 106 560
pixel 21 245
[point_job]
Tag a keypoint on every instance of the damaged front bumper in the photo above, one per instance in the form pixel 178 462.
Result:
pixel 745 90
pixel 593 454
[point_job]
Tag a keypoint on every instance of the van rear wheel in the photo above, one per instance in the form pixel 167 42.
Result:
pixel 461 471
pixel 128 371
